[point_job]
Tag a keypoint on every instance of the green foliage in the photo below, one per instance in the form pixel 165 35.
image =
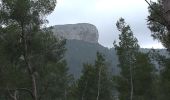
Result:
pixel 87 85
pixel 31 57
pixel 135 80
pixel 47 59
pixel 162 86
pixel 26 11
pixel 158 24
pixel 165 81
pixel 126 50
pixel 143 77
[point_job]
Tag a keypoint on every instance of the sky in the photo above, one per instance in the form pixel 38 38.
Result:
pixel 104 15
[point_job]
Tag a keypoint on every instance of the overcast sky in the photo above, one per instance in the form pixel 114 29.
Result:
pixel 104 15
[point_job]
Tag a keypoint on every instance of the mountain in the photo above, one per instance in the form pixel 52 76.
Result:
pixel 82 46
pixel 79 52
pixel 81 31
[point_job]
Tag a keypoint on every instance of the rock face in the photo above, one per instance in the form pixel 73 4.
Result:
pixel 82 31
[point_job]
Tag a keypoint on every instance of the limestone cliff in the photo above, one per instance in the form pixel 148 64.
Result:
pixel 82 31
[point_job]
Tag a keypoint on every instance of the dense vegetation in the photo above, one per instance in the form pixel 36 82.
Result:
pixel 33 65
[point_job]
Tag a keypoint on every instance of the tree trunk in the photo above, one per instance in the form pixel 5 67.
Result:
pixel 166 7
pixel 28 64
pixel 98 91
pixel 131 83
pixel 33 79
pixel 34 87
pixel 14 96
pixel 131 61
pixel 65 94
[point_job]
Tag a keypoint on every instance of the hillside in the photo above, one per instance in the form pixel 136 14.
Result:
pixel 82 46
pixel 79 52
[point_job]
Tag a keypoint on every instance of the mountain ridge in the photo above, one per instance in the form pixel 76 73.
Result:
pixel 80 52
pixel 80 31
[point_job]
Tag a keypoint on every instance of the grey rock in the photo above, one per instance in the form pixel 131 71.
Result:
pixel 81 31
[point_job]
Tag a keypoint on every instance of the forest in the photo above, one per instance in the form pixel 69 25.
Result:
pixel 33 66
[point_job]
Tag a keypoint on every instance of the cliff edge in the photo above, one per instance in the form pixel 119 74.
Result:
pixel 81 31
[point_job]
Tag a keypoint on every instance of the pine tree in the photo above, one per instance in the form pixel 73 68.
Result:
pixel 144 78
pixel 159 24
pixel 159 21
pixel 95 82
pixel 126 52
pixel 32 63
pixel 162 85
pixel 135 66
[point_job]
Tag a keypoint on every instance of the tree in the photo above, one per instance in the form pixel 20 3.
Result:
pixel 104 81
pixel 51 70
pixel 126 52
pixel 135 66
pixel 163 75
pixel 166 9
pixel 144 75
pixel 87 84
pixel 95 82
pixel 31 49
pixel 159 24
pixel 159 21
pixel 165 81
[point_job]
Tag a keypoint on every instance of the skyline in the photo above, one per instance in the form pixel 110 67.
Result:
pixel 104 15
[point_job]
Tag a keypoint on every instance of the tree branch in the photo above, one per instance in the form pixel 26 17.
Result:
pixel 25 89
pixel 148 3
pixel 154 20
pixel 10 94
pixel 161 16
pixel 19 89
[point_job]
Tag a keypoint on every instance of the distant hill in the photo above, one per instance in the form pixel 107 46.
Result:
pixel 79 52
pixel 82 46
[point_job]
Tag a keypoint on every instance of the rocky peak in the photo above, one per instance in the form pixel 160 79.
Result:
pixel 82 31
